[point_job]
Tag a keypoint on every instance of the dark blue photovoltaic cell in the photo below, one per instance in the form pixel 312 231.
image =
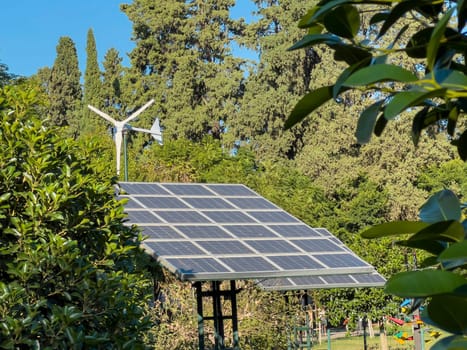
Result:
pixel 310 280
pixel 338 279
pixel 272 216
pixel 340 260
pixel 369 278
pixel 142 217
pixel 296 262
pixel 251 203
pixel 243 264
pixel 188 189
pixel 193 232
pixel 225 217
pixel 173 248
pixel 142 188
pixel 317 245
pixel 291 231
pixel 189 266
pixel 207 203
pixel 232 190
pixel 324 232
pixel 249 231
pixel 161 202
pixel 224 247
pixel 131 204
pixel 182 217
pixel 160 232
pixel 272 246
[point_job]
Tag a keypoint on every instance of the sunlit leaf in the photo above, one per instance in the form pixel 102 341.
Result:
pixel 379 73
pixel 343 21
pixel 313 39
pixel 308 104
pixel 435 39
pixel 405 99
pixel 450 231
pixel 452 120
pixel 424 283
pixel 442 206
pixel 394 228
pixel 367 121
pixel 346 73
pixel 305 21
pixel 451 79
pixel 456 253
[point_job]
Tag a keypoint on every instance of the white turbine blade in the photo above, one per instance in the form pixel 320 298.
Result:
pixel 139 111
pixel 102 114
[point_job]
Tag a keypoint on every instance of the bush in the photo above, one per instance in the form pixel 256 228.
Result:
pixel 72 275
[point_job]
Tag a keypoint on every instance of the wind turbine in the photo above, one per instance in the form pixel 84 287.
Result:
pixel 122 126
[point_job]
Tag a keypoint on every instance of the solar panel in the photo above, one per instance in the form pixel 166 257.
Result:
pixel 207 232
pixel 364 280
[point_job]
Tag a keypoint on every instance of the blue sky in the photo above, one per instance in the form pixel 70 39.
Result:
pixel 31 30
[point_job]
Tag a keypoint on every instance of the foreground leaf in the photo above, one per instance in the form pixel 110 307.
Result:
pixel 380 73
pixel 425 283
pixel 308 104
pixel 442 206
pixel 394 228
pixel 449 312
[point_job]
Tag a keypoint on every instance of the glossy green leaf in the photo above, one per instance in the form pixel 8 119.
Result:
pixel 451 79
pixel 348 53
pixel 449 231
pixel 308 104
pixel 449 312
pixel 424 283
pixel 380 125
pixel 452 120
pixel 435 40
pixel 423 119
pixel 394 228
pixel 380 73
pixel 346 73
pixel 325 7
pixel 367 121
pixel 343 21
pixel 442 206
pixel 462 146
pixel 453 342
pixel 432 247
pixel 306 21
pixel 456 253
pixel 405 99
pixel 314 39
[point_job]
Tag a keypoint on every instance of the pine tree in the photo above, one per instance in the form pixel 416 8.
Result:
pixel 64 86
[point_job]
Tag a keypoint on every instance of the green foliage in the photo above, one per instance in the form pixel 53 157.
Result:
pixel 443 282
pixel 72 274
pixel 437 97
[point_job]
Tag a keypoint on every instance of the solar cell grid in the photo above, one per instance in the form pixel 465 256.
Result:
pixel 193 232
pixel 215 232
pixel 231 190
pixel 291 231
pixel 249 231
pixel 207 203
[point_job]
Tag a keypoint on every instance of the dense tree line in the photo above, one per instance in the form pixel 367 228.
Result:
pixel 210 101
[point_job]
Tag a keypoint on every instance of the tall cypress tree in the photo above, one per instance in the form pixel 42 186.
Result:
pixel 183 60
pixel 64 86
pixel 92 83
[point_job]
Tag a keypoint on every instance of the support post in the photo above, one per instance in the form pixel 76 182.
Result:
pixel 199 300
pixel 125 155
pixel 218 318
pixel 233 303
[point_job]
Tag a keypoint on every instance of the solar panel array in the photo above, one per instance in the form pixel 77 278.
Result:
pixel 324 282
pixel 205 232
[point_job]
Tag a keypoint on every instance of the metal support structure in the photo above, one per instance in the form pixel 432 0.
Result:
pixel 125 155
pixel 216 293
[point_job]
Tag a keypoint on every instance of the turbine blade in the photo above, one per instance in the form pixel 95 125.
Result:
pixel 102 114
pixel 139 111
